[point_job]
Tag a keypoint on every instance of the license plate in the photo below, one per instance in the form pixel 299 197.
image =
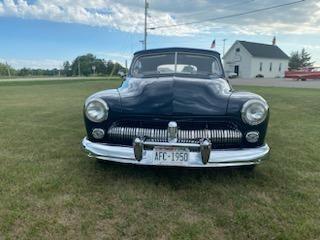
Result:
pixel 170 156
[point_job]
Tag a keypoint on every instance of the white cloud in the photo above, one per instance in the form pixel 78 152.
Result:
pixel 120 57
pixel 112 55
pixel 93 13
pixel 33 63
pixel 128 15
pixel 1 8
pixel 312 47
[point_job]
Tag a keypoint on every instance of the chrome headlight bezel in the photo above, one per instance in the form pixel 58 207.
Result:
pixel 104 110
pixel 249 105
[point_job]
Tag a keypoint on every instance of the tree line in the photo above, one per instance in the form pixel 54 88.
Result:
pixel 90 65
pixel 85 65
pixel 299 60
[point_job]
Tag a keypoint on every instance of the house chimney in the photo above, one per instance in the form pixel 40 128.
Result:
pixel 274 41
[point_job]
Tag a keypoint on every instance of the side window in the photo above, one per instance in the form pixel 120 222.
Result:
pixel 261 67
pixel 215 67
pixel 270 67
pixel 280 67
pixel 137 68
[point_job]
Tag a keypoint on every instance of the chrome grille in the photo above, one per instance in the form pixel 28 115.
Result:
pixel 216 136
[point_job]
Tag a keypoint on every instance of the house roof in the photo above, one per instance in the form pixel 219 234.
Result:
pixel 264 50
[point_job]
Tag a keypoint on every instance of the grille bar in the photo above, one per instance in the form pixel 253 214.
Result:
pixel 216 136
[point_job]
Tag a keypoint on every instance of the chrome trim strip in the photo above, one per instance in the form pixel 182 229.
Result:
pixel 169 144
pixel 220 136
pixel 218 157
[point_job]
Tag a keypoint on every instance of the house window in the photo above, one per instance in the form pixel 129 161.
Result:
pixel 238 50
pixel 280 67
pixel 261 66
pixel 270 67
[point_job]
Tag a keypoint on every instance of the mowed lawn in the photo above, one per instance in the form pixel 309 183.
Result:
pixel 49 189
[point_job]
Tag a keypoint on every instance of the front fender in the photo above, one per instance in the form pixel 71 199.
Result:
pixel 236 101
pixel 112 98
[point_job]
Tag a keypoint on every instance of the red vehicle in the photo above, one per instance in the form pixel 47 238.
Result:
pixel 304 74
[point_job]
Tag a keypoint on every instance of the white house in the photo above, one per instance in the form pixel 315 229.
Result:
pixel 249 60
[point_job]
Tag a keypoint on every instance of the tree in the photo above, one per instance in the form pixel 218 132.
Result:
pixel 6 70
pixel 83 65
pixel 67 69
pixel 86 64
pixel 306 59
pixel 25 72
pixel 295 61
pixel 300 60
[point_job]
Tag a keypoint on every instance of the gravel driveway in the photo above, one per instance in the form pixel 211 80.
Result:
pixel 276 82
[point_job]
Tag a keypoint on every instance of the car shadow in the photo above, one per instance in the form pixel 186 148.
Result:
pixel 175 177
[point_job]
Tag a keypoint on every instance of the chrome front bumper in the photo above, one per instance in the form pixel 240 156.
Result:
pixel 216 158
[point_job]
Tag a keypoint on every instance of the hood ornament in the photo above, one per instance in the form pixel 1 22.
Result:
pixel 172 132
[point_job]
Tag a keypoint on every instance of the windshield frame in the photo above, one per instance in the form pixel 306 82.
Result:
pixel 175 73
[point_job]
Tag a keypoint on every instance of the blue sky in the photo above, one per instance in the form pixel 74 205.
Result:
pixel 43 34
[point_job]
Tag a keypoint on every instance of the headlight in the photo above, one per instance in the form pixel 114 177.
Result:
pixel 254 111
pixel 96 110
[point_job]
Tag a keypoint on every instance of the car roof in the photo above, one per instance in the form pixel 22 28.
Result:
pixel 177 49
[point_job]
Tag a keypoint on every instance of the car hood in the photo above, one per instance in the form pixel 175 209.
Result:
pixel 174 96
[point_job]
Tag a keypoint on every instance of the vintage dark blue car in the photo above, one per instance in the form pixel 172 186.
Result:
pixel 176 108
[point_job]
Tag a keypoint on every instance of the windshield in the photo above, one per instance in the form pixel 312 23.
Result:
pixel 176 63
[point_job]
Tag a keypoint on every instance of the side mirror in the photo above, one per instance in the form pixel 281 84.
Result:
pixel 122 74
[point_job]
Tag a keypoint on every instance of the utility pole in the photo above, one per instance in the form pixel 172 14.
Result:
pixel 79 71
pixel 142 43
pixel 8 69
pixel 146 6
pixel 224 45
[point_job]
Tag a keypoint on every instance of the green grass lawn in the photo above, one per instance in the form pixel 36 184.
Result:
pixel 49 189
